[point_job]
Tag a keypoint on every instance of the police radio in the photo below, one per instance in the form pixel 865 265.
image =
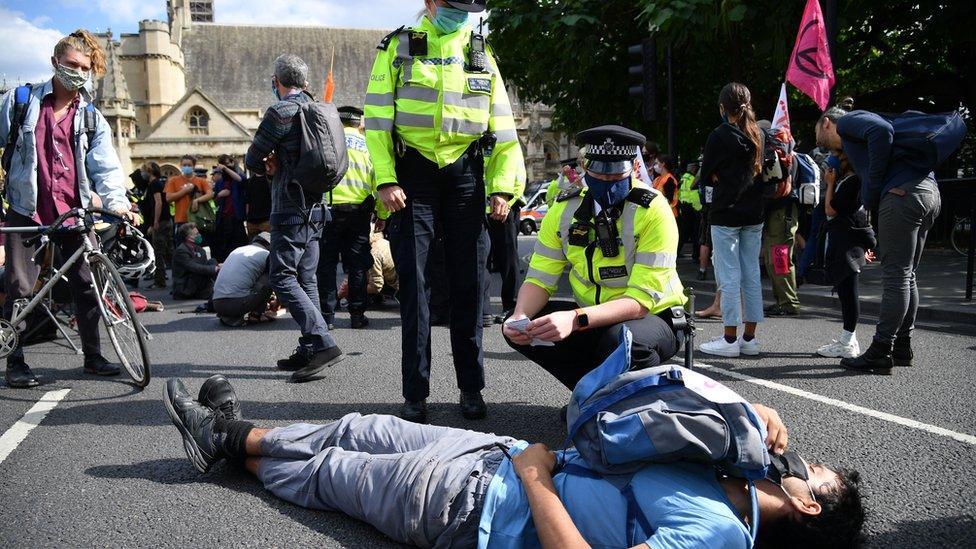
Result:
pixel 477 59
pixel 606 235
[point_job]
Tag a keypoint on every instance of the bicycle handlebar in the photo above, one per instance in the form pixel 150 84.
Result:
pixel 56 225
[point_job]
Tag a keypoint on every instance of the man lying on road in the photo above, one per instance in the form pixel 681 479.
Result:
pixel 441 487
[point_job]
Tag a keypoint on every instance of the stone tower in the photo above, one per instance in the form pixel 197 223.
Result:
pixel 115 103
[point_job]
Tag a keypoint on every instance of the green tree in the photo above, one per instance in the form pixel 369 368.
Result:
pixel 572 55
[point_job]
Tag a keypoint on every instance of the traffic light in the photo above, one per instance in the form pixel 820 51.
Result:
pixel 644 76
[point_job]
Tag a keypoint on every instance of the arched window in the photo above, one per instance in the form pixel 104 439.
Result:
pixel 198 120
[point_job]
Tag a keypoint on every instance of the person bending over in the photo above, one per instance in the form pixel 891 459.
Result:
pixel 441 487
pixel 242 291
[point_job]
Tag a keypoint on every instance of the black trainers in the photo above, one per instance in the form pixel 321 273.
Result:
pixel 318 362
pixel 901 353
pixel 778 310
pixel 358 321
pixel 473 406
pixel 96 364
pixel 19 375
pixel 876 360
pixel 217 394
pixel 203 445
pixel 298 359
pixel 414 411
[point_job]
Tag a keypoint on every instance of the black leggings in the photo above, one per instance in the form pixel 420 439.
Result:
pixel 850 302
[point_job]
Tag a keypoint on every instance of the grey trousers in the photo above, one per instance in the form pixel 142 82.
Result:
pixel 418 484
pixel 903 225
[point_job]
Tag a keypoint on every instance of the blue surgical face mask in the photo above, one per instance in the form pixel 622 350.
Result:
pixel 274 90
pixel 448 20
pixel 187 170
pixel 608 193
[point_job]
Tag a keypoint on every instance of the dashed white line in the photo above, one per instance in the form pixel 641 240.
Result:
pixel 19 431
pixel 884 416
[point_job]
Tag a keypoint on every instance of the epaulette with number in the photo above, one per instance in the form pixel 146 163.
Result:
pixel 641 196
pixel 569 193
pixel 385 42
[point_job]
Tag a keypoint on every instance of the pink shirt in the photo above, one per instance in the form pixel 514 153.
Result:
pixel 57 182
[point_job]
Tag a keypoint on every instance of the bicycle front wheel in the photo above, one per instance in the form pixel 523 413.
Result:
pixel 960 235
pixel 127 334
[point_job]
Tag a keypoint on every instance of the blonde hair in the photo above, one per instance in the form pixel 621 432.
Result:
pixel 86 43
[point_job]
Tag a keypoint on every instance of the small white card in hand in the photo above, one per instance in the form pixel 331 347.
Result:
pixel 522 325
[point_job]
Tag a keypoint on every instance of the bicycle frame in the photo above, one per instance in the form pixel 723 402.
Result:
pixel 20 313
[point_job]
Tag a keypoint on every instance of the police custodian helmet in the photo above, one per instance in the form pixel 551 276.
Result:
pixel 610 149
pixel 472 6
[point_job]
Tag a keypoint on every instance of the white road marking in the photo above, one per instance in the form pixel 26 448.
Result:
pixel 884 416
pixel 19 431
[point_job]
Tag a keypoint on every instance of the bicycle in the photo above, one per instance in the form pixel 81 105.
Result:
pixel 127 334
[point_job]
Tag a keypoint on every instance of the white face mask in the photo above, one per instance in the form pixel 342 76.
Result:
pixel 71 79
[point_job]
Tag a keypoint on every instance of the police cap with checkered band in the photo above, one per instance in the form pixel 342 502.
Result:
pixel 350 114
pixel 471 6
pixel 610 149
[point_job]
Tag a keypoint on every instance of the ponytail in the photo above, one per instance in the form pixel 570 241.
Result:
pixel 737 101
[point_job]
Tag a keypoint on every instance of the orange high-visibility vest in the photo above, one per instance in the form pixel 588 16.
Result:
pixel 660 182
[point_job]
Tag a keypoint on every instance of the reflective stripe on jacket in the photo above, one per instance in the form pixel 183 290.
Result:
pixel 359 183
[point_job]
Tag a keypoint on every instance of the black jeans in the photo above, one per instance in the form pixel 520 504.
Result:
pixel 455 197
pixel 229 234
pixel 850 301
pixel 346 236
pixel 232 310
pixel 21 274
pixel 572 358
pixel 294 260
pixel 504 255
pixel 688 229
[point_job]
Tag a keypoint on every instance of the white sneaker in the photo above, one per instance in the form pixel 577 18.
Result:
pixel 720 347
pixel 750 348
pixel 836 349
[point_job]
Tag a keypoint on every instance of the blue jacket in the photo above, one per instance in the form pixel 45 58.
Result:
pixel 97 164
pixel 866 139
pixel 236 195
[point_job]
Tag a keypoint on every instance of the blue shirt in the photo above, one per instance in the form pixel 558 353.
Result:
pixel 867 139
pixel 684 503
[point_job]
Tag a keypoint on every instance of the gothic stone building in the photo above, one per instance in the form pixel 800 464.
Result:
pixel 193 86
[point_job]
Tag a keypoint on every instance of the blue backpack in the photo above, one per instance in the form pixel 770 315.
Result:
pixel 806 180
pixel 924 140
pixel 620 420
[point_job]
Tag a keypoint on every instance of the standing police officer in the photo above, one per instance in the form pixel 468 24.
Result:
pixel 351 204
pixel 435 100
pixel 620 242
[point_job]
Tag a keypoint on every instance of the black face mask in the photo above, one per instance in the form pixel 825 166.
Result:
pixel 790 464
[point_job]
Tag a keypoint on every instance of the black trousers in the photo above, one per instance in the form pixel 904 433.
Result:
pixel 455 197
pixel 688 229
pixel 21 274
pixel 504 255
pixel 572 358
pixel 850 301
pixel 347 236
pixel 229 234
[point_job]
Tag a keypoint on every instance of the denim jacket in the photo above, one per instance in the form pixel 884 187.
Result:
pixel 97 166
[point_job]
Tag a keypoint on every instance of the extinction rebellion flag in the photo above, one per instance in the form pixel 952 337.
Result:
pixel 810 68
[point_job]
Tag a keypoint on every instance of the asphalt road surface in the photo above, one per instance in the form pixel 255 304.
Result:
pixel 106 468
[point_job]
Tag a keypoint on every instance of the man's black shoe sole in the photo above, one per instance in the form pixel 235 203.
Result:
pixel 878 371
pixel 192 448
pixel 309 372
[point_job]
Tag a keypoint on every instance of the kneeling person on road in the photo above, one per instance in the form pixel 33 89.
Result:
pixel 193 272
pixel 442 487
pixel 619 241
pixel 242 289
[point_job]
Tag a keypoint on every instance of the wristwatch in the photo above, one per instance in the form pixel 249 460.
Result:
pixel 582 319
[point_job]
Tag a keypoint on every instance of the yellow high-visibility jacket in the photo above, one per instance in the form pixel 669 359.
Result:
pixel 644 268
pixel 359 183
pixel 436 107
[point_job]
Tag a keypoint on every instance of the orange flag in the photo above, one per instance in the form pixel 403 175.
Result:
pixel 329 82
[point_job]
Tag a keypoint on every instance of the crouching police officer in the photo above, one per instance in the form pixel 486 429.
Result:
pixel 351 203
pixel 435 101
pixel 619 241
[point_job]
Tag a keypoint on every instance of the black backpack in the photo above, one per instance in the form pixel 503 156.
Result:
pixel 322 160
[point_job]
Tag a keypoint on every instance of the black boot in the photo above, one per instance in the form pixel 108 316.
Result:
pixel 902 354
pixel 414 411
pixel 298 359
pixel 204 445
pixel 473 406
pixel 358 321
pixel 876 360
pixel 96 364
pixel 317 362
pixel 217 394
pixel 19 374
